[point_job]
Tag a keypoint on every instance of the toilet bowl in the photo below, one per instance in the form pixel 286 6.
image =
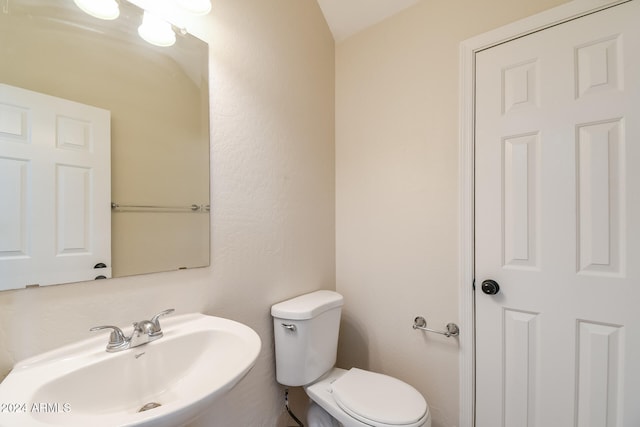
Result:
pixel 306 337
pixel 358 398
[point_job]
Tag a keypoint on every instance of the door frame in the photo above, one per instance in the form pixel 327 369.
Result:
pixel 466 116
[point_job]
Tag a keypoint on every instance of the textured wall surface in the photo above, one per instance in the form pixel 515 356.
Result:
pixel 397 190
pixel 272 178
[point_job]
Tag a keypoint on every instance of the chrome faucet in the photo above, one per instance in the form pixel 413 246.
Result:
pixel 143 332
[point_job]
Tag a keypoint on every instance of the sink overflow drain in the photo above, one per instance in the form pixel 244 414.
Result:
pixel 149 406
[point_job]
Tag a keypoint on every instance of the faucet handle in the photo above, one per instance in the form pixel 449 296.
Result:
pixel 155 318
pixel 117 340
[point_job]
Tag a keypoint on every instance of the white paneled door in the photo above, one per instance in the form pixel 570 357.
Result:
pixel 558 226
pixel 55 189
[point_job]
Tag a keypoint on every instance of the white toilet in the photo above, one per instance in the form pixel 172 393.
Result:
pixel 306 338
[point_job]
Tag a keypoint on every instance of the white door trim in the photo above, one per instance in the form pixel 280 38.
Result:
pixel 468 49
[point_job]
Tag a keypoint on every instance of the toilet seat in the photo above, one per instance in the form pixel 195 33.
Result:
pixel 379 400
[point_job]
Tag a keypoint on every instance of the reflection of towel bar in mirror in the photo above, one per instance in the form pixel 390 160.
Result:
pixel 191 208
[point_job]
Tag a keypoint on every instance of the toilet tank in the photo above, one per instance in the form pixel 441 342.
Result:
pixel 305 331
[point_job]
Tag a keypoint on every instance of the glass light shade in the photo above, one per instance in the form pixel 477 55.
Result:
pixel 156 30
pixel 197 7
pixel 102 9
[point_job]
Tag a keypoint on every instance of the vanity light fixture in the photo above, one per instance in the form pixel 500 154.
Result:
pixel 156 30
pixel 102 9
pixel 197 7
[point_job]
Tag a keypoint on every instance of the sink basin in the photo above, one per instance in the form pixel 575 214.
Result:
pixel 171 379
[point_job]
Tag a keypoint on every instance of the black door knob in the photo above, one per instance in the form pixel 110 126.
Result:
pixel 100 265
pixel 490 287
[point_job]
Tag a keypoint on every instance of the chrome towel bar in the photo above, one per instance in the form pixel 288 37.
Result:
pixel 191 208
pixel 421 323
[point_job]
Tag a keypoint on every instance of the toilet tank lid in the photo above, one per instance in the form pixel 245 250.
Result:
pixel 307 306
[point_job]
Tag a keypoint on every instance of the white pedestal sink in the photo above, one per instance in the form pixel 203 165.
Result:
pixel 176 377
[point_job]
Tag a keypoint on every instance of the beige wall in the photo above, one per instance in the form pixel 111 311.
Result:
pixel 397 190
pixel 272 179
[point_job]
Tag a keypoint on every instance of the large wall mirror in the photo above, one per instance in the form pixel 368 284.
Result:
pixel 104 147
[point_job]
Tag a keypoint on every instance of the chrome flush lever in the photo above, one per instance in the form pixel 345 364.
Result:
pixel 289 327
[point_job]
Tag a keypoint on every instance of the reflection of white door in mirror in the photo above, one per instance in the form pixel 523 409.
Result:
pixel 55 188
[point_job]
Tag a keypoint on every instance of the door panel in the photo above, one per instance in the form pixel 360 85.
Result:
pixel 14 212
pixel 558 225
pixel 55 183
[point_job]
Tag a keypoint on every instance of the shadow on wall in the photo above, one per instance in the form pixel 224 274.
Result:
pixel 353 344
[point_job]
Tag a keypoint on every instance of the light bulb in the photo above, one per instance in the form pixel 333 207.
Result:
pixel 102 9
pixel 156 30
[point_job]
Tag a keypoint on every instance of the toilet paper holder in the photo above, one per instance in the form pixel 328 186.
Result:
pixel 421 323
